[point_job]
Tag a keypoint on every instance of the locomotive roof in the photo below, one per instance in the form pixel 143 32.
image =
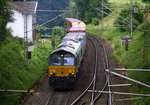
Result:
pixel 74 21
pixel 75 36
pixel 77 25
pixel 68 46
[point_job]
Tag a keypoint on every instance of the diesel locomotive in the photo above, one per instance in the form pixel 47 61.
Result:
pixel 65 60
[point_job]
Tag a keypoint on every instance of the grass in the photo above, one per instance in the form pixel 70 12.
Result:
pixel 18 73
pixel 133 58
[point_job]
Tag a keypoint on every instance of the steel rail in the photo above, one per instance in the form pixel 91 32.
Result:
pixel 93 80
pixel 74 102
pixel 107 76
pixel 128 99
pixel 106 64
pixel 105 53
pixel 50 98
pixel 99 94
pixel 127 78
pixel 68 97
pixel 123 69
pixel 95 71
pixel 122 93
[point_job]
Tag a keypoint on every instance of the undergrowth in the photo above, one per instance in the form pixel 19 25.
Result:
pixel 133 58
pixel 18 73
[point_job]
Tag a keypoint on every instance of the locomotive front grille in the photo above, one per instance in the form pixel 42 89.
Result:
pixel 62 71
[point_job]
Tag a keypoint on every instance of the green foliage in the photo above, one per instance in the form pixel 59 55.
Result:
pixel 41 30
pixel 146 1
pixel 95 21
pixel 57 34
pixel 93 31
pixel 124 18
pixel 87 10
pixel 5 17
pixel 18 73
pixel 51 5
pixel 73 9
pixel 134 57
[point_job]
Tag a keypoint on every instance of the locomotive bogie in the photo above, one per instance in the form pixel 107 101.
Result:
pixel 62 82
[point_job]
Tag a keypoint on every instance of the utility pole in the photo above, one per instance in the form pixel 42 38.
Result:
pixel 25 29
pixel 102 16
pixel 110 96
pixel 131 18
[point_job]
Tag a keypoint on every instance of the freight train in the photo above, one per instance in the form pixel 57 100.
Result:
pixel 65 60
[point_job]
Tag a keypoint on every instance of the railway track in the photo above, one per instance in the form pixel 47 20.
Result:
pixel 106 66
pixel 92 77
pixel 99 81
pixel 59 98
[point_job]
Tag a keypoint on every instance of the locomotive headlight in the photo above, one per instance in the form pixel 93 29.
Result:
pixel 71 74
pixel 52 74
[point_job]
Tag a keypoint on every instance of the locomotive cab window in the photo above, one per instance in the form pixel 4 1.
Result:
pixel 68 61
pixel 55 60
pixel 62 60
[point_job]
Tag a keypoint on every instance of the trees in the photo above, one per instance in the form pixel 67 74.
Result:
pixel 57 34
pixel 87 10
pixel 147 1
pixel 51 5
pixel 5 17
pixel 95 21
pixel 125 17
pixel 73 9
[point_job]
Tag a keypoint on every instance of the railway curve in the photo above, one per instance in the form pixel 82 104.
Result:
pixel 85 77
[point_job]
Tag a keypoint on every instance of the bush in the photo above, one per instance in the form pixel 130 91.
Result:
pixel 57 34
pixel 18 73
pixel 146 1
pixel 5 17
pixel 95 21
pixel 124 18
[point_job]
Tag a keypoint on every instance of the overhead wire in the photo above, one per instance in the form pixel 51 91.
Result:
pixel 48 21
pixel 45 22
pixel 35 28
pixel 110 95
pixel 123 21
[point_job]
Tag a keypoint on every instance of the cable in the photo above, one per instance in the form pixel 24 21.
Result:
pixel 121 20
pixel 124 21
pixel 48 21
pixel 113 12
